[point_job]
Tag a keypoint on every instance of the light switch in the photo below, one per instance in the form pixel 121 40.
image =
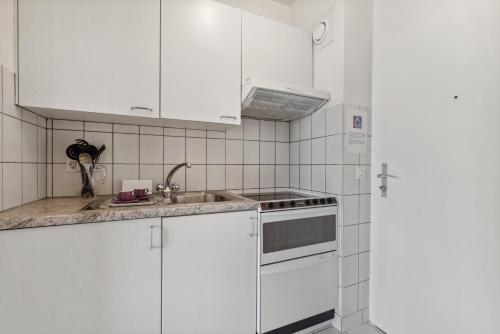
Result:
pixel 360 173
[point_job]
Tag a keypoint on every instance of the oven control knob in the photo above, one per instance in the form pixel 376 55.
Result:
pixel 315 201
pixel 307 202
pixel 270 205
pixel 293 204
pixel 329 200
pixel 322 201
pixel 282 204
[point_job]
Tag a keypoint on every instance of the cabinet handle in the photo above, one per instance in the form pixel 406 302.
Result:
pixel 229 117
pixel 252 221
pixel 151 245
pixel 141 108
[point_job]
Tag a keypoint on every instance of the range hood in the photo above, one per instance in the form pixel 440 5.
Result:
pixel 264 99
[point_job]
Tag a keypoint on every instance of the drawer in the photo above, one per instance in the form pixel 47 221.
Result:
pixel 297 289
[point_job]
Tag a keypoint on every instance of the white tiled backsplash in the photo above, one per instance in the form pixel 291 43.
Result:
pixel 318 162
pixel 246 158
pixel 23 149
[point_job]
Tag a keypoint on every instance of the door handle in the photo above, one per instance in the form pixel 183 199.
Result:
pixel 383 176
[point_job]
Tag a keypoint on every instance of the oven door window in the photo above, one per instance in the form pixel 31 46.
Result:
pixel 288 234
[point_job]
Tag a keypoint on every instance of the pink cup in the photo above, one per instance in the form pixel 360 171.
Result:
pixel 126 196
pixel 141 192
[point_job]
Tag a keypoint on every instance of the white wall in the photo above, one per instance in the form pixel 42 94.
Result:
pixel 343 67
pixel 305 12
pixel 329 61
pixel 266 8
pixel 358 52
pixel 8 55
pixel 436 237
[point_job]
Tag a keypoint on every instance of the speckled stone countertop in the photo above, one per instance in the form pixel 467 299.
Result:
pixel 68 211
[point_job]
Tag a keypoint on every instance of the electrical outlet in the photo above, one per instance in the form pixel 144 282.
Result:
pixel 360 173
pixel 72 166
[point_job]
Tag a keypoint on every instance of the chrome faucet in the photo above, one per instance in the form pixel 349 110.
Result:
pixel 168 188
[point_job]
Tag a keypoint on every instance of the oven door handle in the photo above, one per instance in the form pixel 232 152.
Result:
pixel 298 264
pixel 269 217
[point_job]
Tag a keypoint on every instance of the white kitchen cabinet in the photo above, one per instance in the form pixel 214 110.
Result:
pixel 276 51
pixel 201 61
pixel 209 272
pixel 92 56
pixel 100 278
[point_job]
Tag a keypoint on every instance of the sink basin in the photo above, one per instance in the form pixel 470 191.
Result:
pixel 198 197
pixel 177 198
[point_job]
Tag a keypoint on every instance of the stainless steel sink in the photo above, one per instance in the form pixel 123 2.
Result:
pixel 176 198
pixel 198 197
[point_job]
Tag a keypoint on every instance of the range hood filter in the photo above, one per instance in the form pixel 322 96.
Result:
pixel 274 102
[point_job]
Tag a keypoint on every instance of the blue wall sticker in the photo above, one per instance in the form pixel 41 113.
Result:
pixel 357 122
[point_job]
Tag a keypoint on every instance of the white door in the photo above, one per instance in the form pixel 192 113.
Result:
pixel 82 279
pixel 436 99
pixel 201 61
pixel 92 56
pixel 210 274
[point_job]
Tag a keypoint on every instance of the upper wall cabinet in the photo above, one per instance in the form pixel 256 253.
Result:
pixel 88 55
pixel 276 51
pixel 201 61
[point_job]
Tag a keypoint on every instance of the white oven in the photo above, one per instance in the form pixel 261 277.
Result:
pixel 298 269
pixel 289 234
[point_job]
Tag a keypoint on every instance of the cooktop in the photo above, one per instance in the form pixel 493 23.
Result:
pixel 288 200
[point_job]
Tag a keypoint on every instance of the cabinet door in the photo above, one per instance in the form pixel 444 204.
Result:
pixel 276 51
pixel 93 56
pixel 209 272
pixel 201 61
pixel 83 279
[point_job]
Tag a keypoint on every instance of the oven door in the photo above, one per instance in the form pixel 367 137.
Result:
pixel 291 234
pixel 298 294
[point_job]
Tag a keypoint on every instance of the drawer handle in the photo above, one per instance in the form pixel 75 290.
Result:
pixel 297 264
pixel 141 108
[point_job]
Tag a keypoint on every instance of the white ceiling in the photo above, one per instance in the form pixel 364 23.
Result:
pixel 286 2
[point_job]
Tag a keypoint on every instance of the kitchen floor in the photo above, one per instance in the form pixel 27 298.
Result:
pixel 364 329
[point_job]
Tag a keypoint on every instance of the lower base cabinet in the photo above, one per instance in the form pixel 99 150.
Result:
pixel 102 278
pixel 209 274
pixel 106 278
